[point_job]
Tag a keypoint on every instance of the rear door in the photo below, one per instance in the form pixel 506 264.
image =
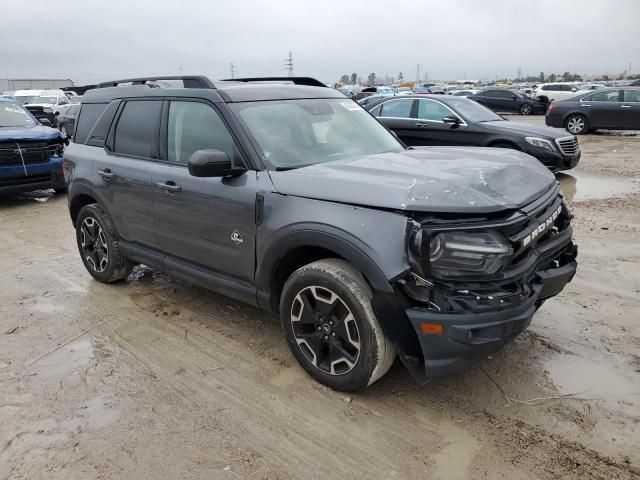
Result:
pixel 123 170
pixel 209 222
pixel 630 109
pixel 604 109
pixel 396 115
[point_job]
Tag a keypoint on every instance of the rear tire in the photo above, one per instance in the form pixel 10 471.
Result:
pixel 330 327
pixel 98 245
pixel 576 124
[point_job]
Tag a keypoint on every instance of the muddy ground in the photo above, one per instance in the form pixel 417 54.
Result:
pixel 155 378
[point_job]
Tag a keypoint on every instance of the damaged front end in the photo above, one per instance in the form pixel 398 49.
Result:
pixel 475 283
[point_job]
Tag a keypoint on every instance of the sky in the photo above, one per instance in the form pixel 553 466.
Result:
pixel 90 41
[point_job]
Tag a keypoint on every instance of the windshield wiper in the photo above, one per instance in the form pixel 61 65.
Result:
pixel 294 167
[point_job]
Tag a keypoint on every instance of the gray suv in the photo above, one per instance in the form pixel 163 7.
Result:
pixel 287 195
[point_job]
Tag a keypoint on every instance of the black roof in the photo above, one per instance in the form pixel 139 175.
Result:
pixel 230 90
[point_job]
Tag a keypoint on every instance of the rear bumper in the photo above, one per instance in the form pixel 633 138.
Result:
pixel 554 120
pixel 39 176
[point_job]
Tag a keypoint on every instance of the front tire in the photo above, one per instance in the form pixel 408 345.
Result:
pixel 526 109
pixel 330 327
pixel 577 124
pixel 98 245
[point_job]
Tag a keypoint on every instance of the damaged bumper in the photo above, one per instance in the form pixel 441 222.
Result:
pixel 458 317
pixel 466 336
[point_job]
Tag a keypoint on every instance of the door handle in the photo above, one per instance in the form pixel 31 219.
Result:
pixel 585 105
pixel 625 106
pixel 420 124
pixel 169 187
pixel 107 174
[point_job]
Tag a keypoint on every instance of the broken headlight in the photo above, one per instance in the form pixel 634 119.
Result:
pixel 468 252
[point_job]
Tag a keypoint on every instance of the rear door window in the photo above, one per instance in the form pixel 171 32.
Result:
pixel 606 96
pixel 137 129
pixel 399 108
pixel 632 95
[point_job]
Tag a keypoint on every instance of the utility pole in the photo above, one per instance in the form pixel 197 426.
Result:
pixel 233 70
pixel 519 73
pixel 289 64
pixel 418 73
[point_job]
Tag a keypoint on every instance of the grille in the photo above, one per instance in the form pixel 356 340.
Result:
pixel 568 146
pixel 32 152
pixel 22 180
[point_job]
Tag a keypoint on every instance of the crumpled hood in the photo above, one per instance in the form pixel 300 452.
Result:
pixel 37 132
pixel 428 179
pixel 528 130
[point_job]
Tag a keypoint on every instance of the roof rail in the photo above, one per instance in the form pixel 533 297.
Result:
pixel 190 81
pixel 309 81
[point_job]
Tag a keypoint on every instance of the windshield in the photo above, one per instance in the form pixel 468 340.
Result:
pixel 24 99
pixel 29 100
pixel 472 111
pixel 297 133
pixel 13 115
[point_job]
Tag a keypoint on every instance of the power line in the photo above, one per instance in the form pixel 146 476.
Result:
pixel 289 64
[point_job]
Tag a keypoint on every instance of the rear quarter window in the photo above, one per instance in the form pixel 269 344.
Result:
pixel 89 114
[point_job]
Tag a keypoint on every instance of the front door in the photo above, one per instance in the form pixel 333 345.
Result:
pixel 209 222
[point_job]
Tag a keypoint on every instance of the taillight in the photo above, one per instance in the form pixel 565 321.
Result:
pixel 551 107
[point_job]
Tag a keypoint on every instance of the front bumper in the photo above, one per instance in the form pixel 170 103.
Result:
pixel 467 336
pixel 38 176
pixel 554 161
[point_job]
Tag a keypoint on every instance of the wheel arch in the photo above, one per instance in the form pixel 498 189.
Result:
pixel 77 202
pixel 295 249
pixel 504 141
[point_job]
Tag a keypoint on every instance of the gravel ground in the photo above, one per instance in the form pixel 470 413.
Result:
pixel 155 378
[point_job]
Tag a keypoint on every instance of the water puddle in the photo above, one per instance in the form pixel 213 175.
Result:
pixel 67 360
pixel 577 186
pixel 589 379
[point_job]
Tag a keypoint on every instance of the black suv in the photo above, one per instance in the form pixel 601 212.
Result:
pixel 284 194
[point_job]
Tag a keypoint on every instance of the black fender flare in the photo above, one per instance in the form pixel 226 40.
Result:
pixel 323 236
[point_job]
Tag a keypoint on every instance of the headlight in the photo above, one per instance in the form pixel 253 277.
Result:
pixel 477 252
pixel 47 110
pixel 540 143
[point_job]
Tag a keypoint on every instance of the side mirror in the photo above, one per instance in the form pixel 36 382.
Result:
pixel 574 89
pixel 212 163
pixel 46 122
pixel 451 119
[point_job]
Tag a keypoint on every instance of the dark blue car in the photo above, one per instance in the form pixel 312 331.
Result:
pixel 30 153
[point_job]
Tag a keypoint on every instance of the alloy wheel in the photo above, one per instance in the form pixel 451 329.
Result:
pixel 325 330
pixel 525 109
pixel 94 244
pixel 575 125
